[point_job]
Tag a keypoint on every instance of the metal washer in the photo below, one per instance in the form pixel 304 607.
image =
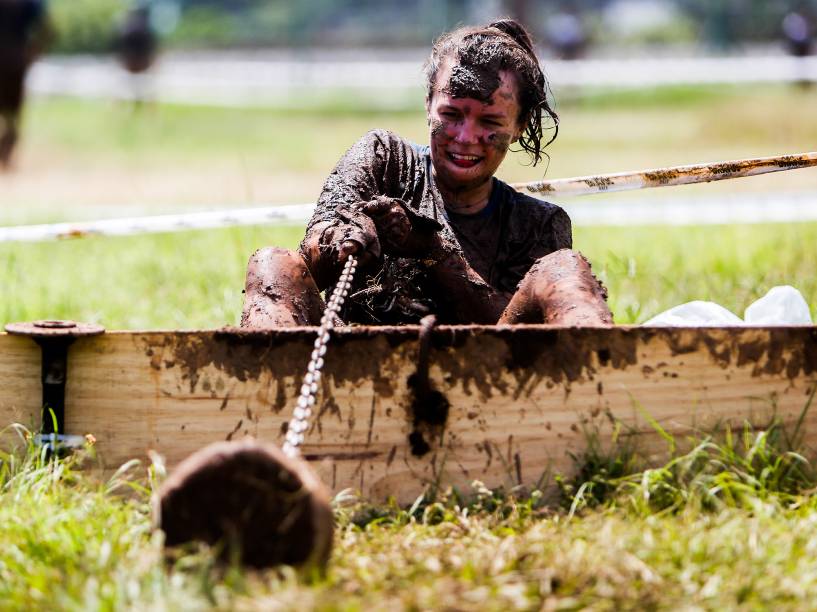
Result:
pixel 50 328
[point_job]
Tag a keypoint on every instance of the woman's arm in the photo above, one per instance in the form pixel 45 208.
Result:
pixel 470 297
pixel 379 164
pixel 466 294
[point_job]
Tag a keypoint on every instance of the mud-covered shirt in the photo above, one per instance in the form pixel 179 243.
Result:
pixel 500 243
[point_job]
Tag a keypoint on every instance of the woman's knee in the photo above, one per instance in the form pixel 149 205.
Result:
pixel 564 286
pixel 279 290
pixel 275 265
pixel 266 259
pixel 559 263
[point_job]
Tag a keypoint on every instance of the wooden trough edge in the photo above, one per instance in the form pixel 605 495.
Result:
pixel 506 405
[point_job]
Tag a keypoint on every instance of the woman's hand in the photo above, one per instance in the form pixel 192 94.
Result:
pixel 356 235
pixel 401 231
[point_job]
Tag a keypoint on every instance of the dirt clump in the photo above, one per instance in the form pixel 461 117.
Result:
pixel 248 498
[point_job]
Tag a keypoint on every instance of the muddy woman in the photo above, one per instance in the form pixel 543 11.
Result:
pixel 434 233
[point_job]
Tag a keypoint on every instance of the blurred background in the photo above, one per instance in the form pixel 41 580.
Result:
pixel 171 106
pixel 385 25
pixel 176 104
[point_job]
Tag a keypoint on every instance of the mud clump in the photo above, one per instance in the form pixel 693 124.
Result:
pixel 429 408
pixel 258 505
pixel 474 81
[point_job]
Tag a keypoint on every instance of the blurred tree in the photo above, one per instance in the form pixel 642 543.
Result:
pixel 85 26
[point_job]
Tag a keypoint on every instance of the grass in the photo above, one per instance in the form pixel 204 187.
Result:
pixel 194 279
pixel 727 524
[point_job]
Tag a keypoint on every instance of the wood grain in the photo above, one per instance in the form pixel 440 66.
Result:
pixel 524 401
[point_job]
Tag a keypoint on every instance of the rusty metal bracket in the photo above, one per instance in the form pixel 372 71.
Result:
pixel 54 338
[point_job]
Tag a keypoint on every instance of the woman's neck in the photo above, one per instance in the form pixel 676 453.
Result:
pixel 466 201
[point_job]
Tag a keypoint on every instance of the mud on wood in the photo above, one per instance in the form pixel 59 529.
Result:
pixel 520 400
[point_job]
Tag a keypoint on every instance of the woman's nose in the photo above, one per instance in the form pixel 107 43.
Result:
pixel 469 132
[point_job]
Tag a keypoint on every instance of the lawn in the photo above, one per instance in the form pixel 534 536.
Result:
pixel 194 279
pixel 728 525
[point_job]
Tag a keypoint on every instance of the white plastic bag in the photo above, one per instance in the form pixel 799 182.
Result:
pixel 783 305
pixel 696 314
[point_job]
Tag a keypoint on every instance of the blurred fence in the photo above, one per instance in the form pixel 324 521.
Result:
pixel 259 78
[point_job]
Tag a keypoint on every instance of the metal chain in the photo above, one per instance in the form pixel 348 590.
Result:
pixel 309 389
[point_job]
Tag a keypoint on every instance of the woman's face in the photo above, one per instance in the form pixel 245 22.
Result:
pixel 469 138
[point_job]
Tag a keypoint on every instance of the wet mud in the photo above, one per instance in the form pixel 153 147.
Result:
pixel 393 286
pixel 477 357
pixel 481 362
pixel 475 80
pixel 279 291
pixel 560 289
pixel 263 508
pixel 429 407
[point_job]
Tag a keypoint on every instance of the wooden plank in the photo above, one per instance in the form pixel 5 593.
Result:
pixel 20 387
pixel 522 399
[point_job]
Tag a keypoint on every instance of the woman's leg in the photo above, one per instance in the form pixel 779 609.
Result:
pixel 280 291
pixel 559 289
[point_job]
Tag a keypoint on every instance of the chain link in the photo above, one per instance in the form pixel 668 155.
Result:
pixel 299 424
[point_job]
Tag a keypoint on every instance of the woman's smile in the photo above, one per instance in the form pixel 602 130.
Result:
pixel 464 161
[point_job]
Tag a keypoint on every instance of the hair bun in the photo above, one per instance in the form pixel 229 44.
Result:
pixel 515 30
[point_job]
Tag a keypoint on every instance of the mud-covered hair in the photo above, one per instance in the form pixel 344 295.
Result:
pixel 479 53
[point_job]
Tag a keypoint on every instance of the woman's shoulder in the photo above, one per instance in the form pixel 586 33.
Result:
pixel 389 138
pixel 386 144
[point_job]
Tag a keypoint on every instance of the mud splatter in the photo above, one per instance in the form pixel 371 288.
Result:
pixel 474 80
pixel 235 430
pixel 601 183
pixel 788 351
pixel 727 168
pixel 500 141
pixel 284 353
pixel 429 413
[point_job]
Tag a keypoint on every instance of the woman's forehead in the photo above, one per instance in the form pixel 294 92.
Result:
pixel 488 86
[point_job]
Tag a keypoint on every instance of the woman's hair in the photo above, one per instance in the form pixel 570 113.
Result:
pixel 479 53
